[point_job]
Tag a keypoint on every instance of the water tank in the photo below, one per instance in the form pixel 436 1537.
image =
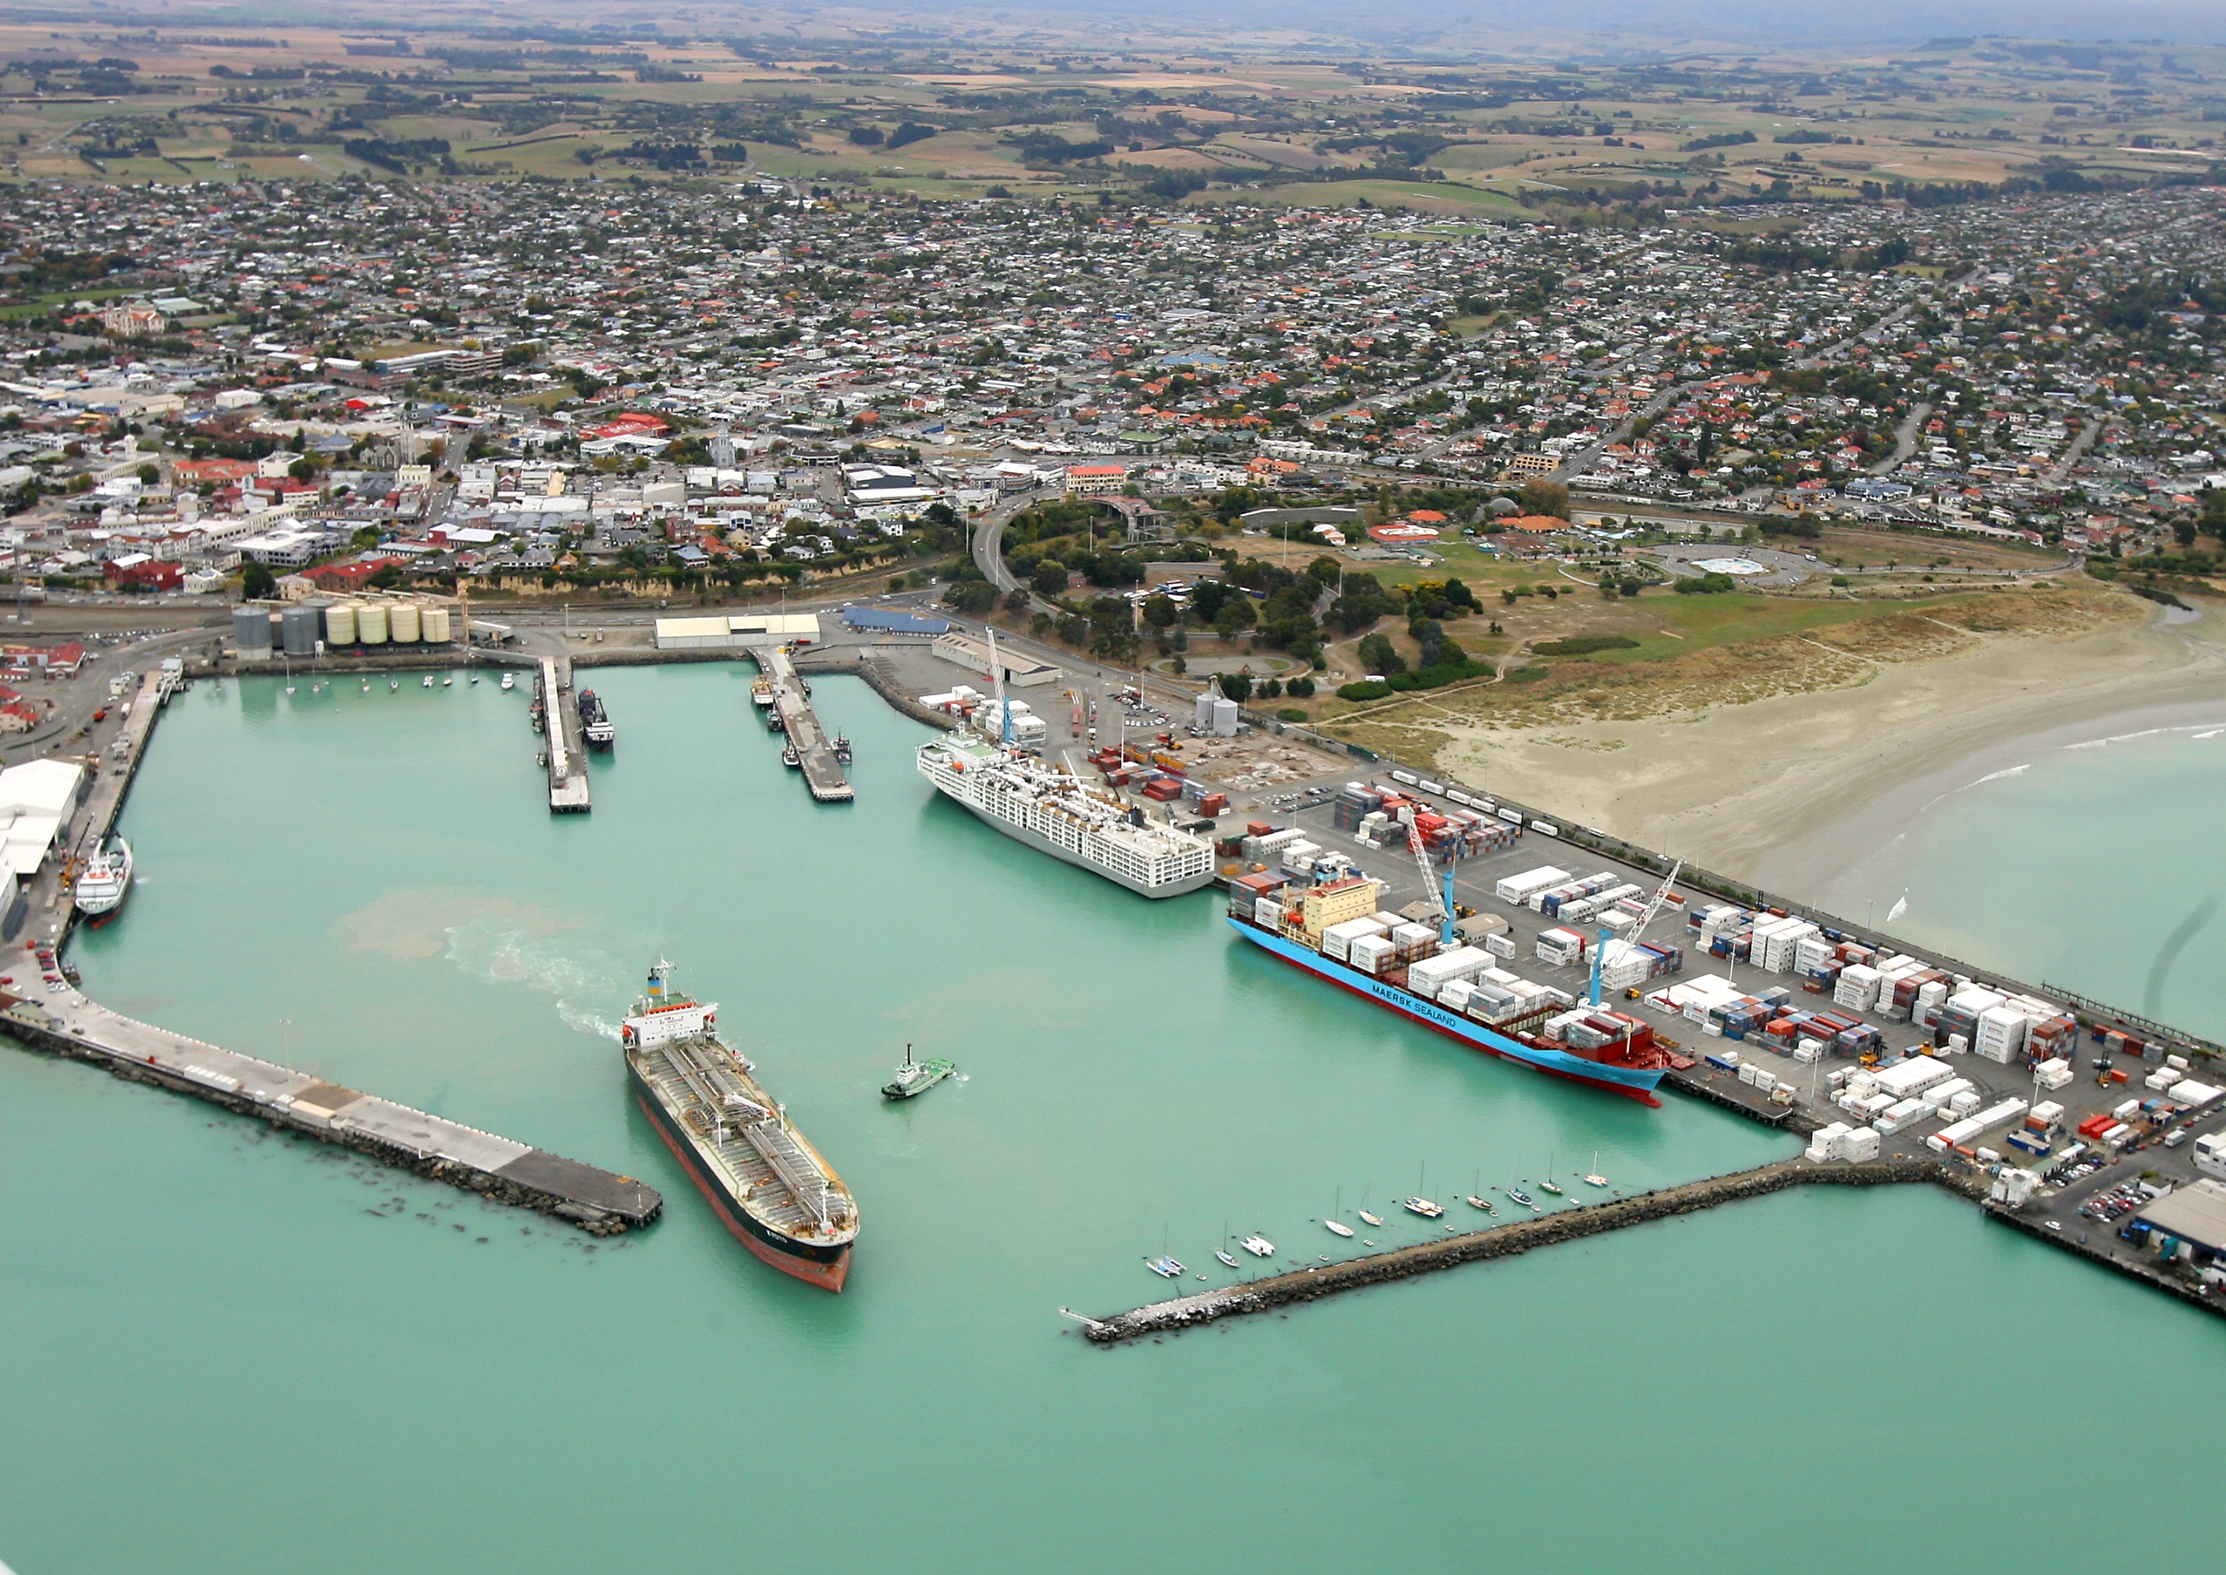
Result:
pixel 1224 717
pixel 251 628
pixel 298 628
pixel 433 626
pixel 340 624
pixel 371 625
pixel 402 620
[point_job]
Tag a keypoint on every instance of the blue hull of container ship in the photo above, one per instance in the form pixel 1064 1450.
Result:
pixel 1630 1081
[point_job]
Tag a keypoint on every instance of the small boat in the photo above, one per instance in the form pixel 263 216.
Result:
pixel 1165 1267
pixel 475 678
pixel 1592 1177
pixel 1476 1202
pixel 1223 1254
pixel 791 759
pixel 842 749
pixel 1521 1197
pixel 1366 1242
pixel 1547 1186
pixel 448 683
pixel 428 681
pixel 1258 1245
pixel 393 684
pixel 1424 1207
pixel 510 680
pixel 1339 1226
pixel 916 1077
pixel 367 686
pixel 1370 1218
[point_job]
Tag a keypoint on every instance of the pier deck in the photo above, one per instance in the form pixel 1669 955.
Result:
pixel 68 1023
pixel 567 751
pixel 823 773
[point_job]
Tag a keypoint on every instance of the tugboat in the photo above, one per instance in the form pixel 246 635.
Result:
pixel 790 758
pixel 915 1078
pixel 595 722
pixel 842 748
pixel 775 722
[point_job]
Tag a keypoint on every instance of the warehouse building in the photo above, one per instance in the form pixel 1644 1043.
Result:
pixel 736 631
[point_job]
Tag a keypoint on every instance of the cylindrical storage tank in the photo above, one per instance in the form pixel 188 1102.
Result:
pixel 340 624
pixel 433 626
pixel 402 622
pixel 371 625
pixel 298 628
pixel 251 628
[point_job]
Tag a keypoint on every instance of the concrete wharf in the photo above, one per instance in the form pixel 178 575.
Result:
pixel 567 746
pixel 67 1023
pixel 823 773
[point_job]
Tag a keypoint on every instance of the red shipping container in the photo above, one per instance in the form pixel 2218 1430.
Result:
pixel 1258 828
pixel 1214 805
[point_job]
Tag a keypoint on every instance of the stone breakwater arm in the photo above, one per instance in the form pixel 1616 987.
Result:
pixel 1505 1241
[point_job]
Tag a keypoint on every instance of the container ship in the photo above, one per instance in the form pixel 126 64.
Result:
pixel 1060 815
pixel 101 889
pixel 1335 932
pixel 765 1182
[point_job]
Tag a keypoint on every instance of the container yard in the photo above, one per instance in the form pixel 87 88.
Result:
pixel 2076 1125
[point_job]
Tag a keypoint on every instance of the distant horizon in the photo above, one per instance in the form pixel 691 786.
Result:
pixel 1475 29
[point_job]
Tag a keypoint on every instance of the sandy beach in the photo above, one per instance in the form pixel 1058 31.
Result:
pixel 1786 790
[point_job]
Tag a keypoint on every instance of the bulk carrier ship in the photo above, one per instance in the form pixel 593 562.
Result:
pixel 1535 1025
pixel 765 1182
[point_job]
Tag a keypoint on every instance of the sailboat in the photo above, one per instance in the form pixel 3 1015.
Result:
pixel 1477 1200
pixel 1338 1225
pixel 1222 1252
pixel 1593 1178
pixel 1362 1211
pixel 1548 1185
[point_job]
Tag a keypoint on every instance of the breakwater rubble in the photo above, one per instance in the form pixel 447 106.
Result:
pixel 1511 1240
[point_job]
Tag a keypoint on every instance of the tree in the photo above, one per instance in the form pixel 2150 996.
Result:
pixel 1270 688
pixel 1379 656
pixel 1050 578
pixel 970 596
pixel 1236 615
pixel 1160 612
pixel 1237 686
pixel 1016 599
pixel 1300 688
pixel 257 582
pixel 1540 496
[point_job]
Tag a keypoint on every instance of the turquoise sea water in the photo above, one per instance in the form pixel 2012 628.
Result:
pixel 226 1351
pixel 2097 865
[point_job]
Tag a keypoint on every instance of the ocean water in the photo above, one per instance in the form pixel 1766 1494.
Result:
pixel 227 1351
pixel 2095 863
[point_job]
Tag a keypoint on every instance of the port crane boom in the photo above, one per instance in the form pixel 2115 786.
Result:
pixel 1430 881
pixel 1600 945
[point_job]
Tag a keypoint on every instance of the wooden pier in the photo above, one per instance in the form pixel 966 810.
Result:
pixel 823 773
pixel 67 1023
pixel 567 747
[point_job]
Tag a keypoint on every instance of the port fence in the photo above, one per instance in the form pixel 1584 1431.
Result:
pixel 2090 1012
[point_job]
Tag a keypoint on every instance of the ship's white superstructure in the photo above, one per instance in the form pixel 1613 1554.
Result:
pixel 107 878
pixel 1057 813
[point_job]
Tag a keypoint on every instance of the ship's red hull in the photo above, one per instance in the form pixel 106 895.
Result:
pixel 1643 1096
pixel 828 1275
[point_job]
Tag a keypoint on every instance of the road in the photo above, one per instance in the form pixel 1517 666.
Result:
pixel 1905 439
pixel 2079 446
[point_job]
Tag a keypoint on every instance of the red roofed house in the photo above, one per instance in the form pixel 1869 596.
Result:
pixel 140 572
